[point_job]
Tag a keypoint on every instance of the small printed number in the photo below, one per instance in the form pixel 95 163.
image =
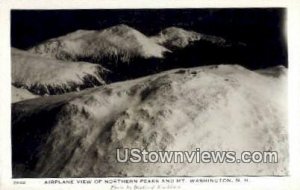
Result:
pixel 19 182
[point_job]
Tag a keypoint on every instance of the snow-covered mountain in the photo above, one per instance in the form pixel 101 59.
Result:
pixel 42 75
pixel 117 43
pixel 19 94
pixel 177 38
pixel 174 37
pixel 225 107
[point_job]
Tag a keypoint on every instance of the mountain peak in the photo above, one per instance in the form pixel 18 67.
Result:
pixel 173 29
pixel 121 27
pixel 122 30
pixel 120 42
pixel 175 37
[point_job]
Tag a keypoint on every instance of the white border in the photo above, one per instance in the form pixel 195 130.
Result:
pixel 293 33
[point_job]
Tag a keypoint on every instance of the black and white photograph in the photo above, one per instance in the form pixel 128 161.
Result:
pixel 180 92
pixel 149 92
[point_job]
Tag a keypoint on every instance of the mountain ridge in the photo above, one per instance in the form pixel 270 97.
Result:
pixel 42 75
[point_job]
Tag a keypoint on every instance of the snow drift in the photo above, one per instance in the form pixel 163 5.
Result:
pixel 19 94
pixel 225 107
pixel 42 75
pixel 116 43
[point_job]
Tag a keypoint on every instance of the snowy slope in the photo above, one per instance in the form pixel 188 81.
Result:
pixel 42 75
pixel 19 94
pixel 177 38
pixel 225 107
pixel 117 42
